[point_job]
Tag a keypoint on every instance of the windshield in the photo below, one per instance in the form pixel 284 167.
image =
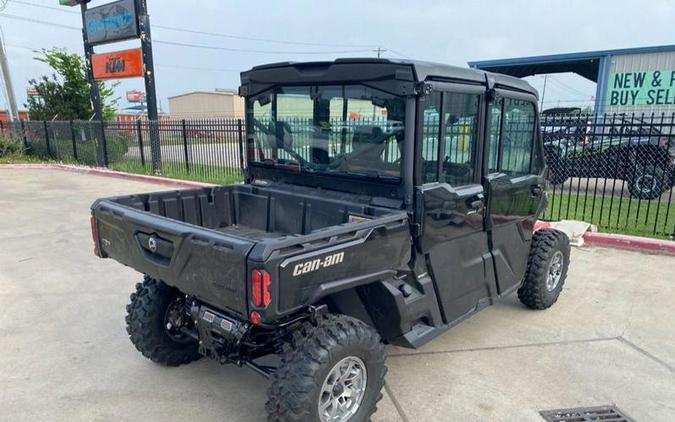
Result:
pixel 347 130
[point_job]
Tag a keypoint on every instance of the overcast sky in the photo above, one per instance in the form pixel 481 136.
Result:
pixel 452 32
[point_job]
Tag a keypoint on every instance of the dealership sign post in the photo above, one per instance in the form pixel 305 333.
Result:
pixel 112 22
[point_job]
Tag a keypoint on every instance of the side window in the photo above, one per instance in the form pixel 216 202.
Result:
pixel 495 116
pixel 460 113
pixel 517 137
pixel 430 134
pixel 458 128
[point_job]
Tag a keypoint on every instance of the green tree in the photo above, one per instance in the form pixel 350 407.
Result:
pixel 64 95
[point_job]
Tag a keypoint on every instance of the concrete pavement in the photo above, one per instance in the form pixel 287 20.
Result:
pixel 65 356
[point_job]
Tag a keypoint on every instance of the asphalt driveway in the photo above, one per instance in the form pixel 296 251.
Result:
pixel 65 356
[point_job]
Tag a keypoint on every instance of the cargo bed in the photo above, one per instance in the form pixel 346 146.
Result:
pixel 200 240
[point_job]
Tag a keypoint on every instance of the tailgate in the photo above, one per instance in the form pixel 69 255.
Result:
pixel 197 261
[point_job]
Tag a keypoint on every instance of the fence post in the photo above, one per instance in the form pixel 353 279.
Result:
pixel 139 136
pixel 185 148
pixel 49 149
pixel 155 146
pixel 72 138
pixel 241 144
pixel 104 143
pixel 23 135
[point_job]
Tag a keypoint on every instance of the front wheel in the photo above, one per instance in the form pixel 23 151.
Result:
pixel 546 269
pixel 332 371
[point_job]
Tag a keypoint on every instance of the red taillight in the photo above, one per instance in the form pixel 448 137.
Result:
pixel 255 318
pixel 94 235
pixel 260 288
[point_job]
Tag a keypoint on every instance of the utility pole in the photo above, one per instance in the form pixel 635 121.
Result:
pixel 543 94
pixel 7 82
pixel 379 51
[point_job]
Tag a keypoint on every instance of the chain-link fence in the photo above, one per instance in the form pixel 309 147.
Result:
pixel 615 171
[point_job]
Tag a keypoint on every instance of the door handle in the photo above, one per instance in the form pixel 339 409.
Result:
pixel 536 190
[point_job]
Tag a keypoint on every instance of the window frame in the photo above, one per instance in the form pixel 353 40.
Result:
pixel 505 94
pixel 445 88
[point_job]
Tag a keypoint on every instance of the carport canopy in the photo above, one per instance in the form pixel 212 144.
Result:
pixel 583 64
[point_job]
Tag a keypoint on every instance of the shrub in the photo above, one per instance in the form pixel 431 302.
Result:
pixel 62 149
pixel 9 148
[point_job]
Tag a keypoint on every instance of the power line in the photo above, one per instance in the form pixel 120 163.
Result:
pixel 215 34
pixel 569 88
pixel 243 50
pixel 32 20
pixel 181 44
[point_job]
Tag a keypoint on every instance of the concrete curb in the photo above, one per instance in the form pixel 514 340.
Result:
pixel 618 241
pixel 109 173
pixel 635 243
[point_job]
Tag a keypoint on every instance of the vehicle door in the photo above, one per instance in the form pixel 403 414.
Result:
pixel 451 198
pixel 514 183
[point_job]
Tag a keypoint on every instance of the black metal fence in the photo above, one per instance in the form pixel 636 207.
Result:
pixel 204 150
pixel 615 171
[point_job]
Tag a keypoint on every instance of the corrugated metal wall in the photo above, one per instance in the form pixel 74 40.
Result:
pixel 640 91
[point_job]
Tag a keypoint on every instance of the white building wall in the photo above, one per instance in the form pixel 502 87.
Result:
pixel 641 83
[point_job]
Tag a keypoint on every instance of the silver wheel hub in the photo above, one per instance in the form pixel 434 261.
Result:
pixel 645 183
pixel 343 390
pixel 555 268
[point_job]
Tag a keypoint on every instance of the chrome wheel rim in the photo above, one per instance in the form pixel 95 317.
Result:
pixel 555 268
pixel 343 390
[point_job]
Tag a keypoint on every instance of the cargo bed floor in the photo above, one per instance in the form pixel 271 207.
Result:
pixel 249 232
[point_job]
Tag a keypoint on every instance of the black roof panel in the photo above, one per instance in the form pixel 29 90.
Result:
pixel 421 71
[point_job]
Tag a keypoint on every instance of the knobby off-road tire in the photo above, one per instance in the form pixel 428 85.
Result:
pixel 310 359
pixel 546 269
pixel 648 182
pixel 146 325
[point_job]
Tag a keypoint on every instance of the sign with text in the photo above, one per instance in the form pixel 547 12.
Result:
pixel 642 88
pixel 111 22
pixel 117 64
pixel 135 96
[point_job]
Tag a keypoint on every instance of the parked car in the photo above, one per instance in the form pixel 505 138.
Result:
pixel 626 149
pixel 305 271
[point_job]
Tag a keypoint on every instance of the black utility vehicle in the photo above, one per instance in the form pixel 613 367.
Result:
pixel 385 201
pixel 622 148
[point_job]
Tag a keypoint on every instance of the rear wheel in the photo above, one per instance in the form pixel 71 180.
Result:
pixel 546 269
pixel 647 182
pixel 332 371
pixel 155 318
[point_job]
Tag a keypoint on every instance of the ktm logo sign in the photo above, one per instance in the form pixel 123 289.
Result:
pixel 118 64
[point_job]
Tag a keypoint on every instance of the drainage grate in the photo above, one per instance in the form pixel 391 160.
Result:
pixel 586 414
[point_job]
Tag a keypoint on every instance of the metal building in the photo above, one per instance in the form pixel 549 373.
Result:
pixel 206 104
pixel 631 80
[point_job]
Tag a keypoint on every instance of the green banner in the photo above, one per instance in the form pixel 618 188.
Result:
pixel 643 88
